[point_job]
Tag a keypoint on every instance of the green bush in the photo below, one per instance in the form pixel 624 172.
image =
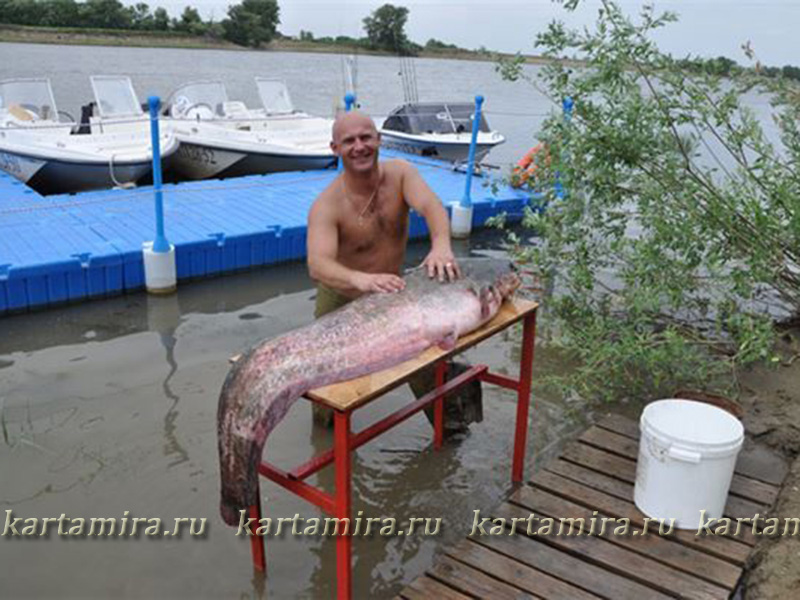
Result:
pixel 677 243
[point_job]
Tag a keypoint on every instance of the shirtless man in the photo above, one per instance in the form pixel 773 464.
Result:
pixel 358 227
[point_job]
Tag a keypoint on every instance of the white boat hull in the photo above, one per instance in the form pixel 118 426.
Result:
pixel 196 160
pixel 58 177
pixel 455 149
pixel 21 167
pixel 74 163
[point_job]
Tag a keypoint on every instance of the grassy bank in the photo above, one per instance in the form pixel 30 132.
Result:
pixel 169 39
pixel 108 37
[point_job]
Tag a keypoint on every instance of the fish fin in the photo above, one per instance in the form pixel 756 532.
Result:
pixel 490 300
pixel 448 342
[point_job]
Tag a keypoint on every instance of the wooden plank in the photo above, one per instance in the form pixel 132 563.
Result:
pixel 754 490
pixel 425 588
pixel 624 562
pixel 771 471
pixel 624 491
pixel 516 573
pixel 611 442
pixel 472 582
pixel 748 496
pixel 621 425
pixel 660 548
pixel 348 395
pixel 566 567
pixel 727 548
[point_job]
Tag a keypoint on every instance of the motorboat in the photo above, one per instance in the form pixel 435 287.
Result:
pixel 222 138
pixel 54 156
pixel 438 129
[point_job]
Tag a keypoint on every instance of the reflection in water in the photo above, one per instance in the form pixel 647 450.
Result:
pixel 131 415
pixel 386 483
pixel 163 316
pixel 172 446
pixel 259 585
pixel 125 315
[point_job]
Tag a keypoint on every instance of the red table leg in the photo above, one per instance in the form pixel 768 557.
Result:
pixel 523 397
pixel 341 449
pixel 438 407
pixel 257 542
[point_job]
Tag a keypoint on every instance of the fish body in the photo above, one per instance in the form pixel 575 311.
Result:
pixel 374 332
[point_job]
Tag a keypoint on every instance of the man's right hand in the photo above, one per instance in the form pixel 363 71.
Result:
pixel 386 283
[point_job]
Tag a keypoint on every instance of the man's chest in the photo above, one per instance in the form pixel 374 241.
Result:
pixel 385 217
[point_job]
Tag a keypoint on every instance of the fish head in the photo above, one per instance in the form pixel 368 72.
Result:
pixel 500 274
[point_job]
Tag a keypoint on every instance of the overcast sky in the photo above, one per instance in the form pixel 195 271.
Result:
pixel 706 27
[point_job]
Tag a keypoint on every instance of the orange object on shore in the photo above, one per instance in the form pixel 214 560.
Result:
pixel 527 165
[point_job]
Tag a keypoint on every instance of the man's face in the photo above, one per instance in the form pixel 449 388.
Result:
pixel 357 141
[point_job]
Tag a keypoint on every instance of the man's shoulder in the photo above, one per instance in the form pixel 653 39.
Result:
pixel 330 192
pixel 398 166
pixel 326 200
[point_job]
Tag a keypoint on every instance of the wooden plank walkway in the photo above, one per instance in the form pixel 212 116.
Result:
pixel 594 477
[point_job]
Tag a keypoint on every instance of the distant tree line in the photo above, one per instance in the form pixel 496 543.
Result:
pixel 726 67
pixel 254 22
pixel 385 30
pixel 250 23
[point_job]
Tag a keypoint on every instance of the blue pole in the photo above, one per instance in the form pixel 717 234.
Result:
pixel 466 201
pixel 566 104
pixel 349 102
pixel 160 244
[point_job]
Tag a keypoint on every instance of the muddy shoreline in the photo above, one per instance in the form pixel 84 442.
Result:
pixel 771 400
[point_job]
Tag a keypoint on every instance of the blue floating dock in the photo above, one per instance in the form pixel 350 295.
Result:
pixel 68 248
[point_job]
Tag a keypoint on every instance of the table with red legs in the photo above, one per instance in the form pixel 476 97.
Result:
pixel 348 396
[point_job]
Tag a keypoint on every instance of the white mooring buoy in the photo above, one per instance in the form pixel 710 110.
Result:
pixel 461 221
pixel 160 275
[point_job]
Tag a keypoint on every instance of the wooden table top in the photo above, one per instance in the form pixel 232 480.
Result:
pixel 348 395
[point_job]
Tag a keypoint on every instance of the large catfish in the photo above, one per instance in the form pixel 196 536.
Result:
pixel 374 332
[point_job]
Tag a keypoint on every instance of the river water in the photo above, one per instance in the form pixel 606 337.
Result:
pixel 110 406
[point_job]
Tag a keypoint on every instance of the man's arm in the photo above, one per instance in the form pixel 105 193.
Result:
pixel 440 261
pixel 322 249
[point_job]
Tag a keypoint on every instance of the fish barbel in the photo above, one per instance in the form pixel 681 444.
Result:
pixel 371 333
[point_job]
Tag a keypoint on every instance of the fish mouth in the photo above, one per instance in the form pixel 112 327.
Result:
pixel 508 283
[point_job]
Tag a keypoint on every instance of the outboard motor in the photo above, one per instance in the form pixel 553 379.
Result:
pixel 87 112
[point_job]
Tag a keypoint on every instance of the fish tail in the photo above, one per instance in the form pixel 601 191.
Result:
pixel 239 474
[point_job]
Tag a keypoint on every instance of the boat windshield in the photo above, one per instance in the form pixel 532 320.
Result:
pixel 206 94
pixel 434 118
pixel 115 96
pixel 274 96
pixel 28 99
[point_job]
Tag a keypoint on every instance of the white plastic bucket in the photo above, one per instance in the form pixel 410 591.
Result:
pixel 687 454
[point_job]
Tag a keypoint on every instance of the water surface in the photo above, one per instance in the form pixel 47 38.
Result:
pixel 110 406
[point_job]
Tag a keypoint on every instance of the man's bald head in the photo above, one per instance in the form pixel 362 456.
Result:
pixel 356 141
pixel 348 121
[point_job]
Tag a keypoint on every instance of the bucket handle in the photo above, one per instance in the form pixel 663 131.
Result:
pixel 684 455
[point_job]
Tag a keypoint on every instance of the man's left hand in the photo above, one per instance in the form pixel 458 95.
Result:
pixel 442 264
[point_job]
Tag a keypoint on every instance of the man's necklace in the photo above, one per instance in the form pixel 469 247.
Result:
pixel 369 202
